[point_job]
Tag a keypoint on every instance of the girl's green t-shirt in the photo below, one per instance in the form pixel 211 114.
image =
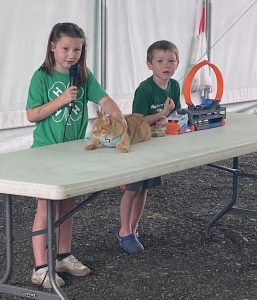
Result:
pixel 67 123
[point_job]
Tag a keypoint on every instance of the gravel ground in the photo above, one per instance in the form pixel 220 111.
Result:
pixel 178 263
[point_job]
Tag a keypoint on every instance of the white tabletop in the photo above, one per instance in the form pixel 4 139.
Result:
pixel 64 170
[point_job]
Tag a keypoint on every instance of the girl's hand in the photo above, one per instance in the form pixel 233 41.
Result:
pixel 44 111
pixel 69 95
pixel 120 117
pixel 168 107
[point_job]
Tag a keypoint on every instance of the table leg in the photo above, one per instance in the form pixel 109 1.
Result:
pixel 9 240
pixel 20 291
pixel 230 205
pixel 52 252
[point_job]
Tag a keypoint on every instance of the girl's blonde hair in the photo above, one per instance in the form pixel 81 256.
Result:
pixel 71 30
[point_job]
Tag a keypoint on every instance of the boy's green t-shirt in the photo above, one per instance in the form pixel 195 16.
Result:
pixel 63 125
pixel 149 98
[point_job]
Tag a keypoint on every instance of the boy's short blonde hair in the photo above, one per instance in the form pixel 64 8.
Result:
pixel 162 45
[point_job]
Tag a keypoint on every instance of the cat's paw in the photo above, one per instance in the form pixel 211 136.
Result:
pixel 90 147
pixel 158 133
pixel 122 148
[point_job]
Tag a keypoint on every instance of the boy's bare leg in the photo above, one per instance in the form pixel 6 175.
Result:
pixel 137 210
pixel 131 208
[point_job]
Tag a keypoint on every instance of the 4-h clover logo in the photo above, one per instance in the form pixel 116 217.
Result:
pixel 77 107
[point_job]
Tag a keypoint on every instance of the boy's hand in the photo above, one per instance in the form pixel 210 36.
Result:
pixel 168 107
pixel 161 123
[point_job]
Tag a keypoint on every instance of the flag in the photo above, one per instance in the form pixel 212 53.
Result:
pixel 202 79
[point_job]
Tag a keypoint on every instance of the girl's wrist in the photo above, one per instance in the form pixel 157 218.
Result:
pixel 163 114
pixel 120 116
pixel 62 101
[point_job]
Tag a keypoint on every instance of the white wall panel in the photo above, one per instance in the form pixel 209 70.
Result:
pixel 24 30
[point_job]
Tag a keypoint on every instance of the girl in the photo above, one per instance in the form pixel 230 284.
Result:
pixel 58 106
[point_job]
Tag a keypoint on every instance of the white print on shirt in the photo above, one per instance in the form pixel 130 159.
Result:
pixel 157 107
pixel 77 106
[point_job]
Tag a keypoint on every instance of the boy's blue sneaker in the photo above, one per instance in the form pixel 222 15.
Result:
pixel 130 243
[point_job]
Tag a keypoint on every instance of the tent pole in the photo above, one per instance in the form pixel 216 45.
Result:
pixel 103 43
pixel 208 27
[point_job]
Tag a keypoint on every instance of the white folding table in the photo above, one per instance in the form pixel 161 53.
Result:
pixel 65 170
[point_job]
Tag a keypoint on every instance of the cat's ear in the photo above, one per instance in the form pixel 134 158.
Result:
pixel 99 114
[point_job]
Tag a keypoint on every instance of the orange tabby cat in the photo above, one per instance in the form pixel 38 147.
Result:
pixel 112 133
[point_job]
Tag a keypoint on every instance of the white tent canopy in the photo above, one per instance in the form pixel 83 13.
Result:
pixel 140 23
pixel 131 26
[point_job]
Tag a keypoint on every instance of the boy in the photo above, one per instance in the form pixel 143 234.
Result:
pixel 155 99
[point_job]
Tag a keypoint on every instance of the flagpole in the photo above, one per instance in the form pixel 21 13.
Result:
pixel 208 32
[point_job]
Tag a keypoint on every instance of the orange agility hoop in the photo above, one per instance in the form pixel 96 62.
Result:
pixel 190 76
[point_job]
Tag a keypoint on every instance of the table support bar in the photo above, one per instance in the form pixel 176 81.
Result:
pixel 27 293
pixel 229 208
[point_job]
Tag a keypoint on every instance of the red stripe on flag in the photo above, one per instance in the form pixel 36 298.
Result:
pixel 202 21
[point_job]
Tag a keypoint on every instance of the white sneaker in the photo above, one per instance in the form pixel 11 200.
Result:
pixel 71 265
pixel 41 277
